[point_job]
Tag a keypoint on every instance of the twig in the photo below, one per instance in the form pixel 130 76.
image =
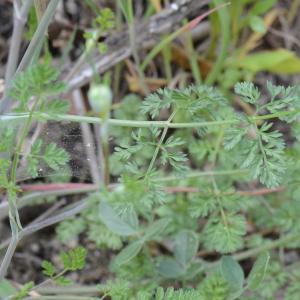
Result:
pixel 66 213
pixel 20 17
pixel 48 212
pixel 56 190
pixel 267 246
pixel 32 48
pixel 147 35
pixel 87 139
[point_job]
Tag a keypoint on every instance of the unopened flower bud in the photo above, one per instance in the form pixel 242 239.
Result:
pixel 100 99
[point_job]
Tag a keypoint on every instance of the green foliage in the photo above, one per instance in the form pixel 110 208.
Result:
pixel 181 197
pixel 225 235
pixel 53 156
pixel 262 150
pixel 37 81
pixel 72 260
pixel 214 287
pixel 23 292
pixel 258 271
pixel 104 21
pixel 233 273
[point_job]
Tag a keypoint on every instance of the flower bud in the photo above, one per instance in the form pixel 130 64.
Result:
pixel 100 99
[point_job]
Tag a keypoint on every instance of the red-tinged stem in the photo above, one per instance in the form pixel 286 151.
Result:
pixel 192 24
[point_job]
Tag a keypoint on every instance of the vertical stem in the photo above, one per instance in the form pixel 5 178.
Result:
pixel 193 58
pixel 87 139
pixel 160 142
pixel 137 59
pixel 20 17
pixel 38 35
pixel 31 51
pixel 13 209
pixel 215 186
pixel 8 257
pixel 225 30
pixel 105 148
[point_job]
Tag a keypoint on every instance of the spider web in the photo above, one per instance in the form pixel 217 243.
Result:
pixel 67 136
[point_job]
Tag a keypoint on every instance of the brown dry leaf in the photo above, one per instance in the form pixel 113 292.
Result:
pixel 156 4
pixel 152 83
pixel 179 56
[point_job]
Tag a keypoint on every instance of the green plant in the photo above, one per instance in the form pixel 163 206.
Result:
pixel 189 195
pixel 72 260
pixel 141 212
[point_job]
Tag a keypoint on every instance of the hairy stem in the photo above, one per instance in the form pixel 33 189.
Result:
pixel 10 119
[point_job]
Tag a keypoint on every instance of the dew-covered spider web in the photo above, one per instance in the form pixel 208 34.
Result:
pixel 66 137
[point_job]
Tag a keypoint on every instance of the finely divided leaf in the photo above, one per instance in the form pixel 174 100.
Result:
pixel 74 259
pixel 247 91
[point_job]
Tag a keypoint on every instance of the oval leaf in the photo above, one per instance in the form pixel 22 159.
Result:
pixel 128 253
pixel 6 289
pixel 169 268
pixel 194 269
pixel 117 225
pixel 234 275
pixel 257 24
pixel 156 228
pixel 258 271
pixel 279 61
pixel 186 246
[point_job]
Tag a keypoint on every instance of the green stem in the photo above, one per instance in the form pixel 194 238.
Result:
pixel 193 58
pixel 61 297
pixel 32 49
pixel 136 58
pixel 105 148
pixel 49 280
pixel 76 289
pixel 10 119
pixel 225 30
pixel 160 142
pixel 202 174
pixel 267 246
pixel 14 218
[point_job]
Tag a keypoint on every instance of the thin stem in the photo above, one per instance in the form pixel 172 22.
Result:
pixel 61 297
pixel 136 58
pixel 49 280
pixel 28 199
pixel 105 150
pixel 225 30
pixel 35 43
pixel 193 58
pixel 87 138
pixel 10 119
pixel 66 213
pixel 38 35
pixel 215 186
pixel 20 17
pixel 8 256
pixel 76 289
pixel 160 142
pixel 267 246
